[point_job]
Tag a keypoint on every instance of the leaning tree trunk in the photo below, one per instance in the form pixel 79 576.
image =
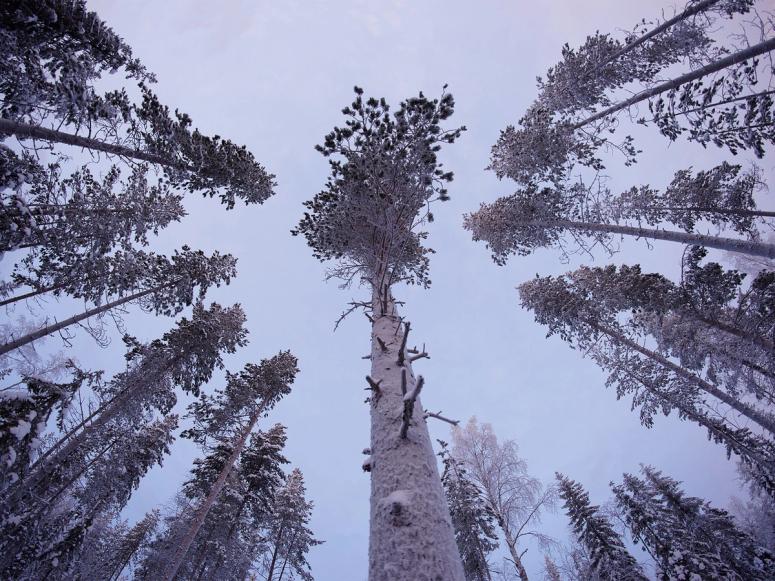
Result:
pixel 173 565
pixel 728 61
pixel 49 329
pixel 411 536
pixel 729 244
pixel 511 543
pixel 764 420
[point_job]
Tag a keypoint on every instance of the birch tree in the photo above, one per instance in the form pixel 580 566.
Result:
pixel 384 175
pixel 515 498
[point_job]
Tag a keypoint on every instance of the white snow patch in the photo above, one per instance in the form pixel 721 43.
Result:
pixel 400 497
pixel 21 430
pixel 366 464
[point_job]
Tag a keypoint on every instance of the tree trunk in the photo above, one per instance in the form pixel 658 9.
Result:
pixel 171 570
pixel 24 130
pixel 276 550
pixel 741 448
pixel 512 545
pixel 756 416
pixel 723 211
pixel 733 59
pixel 690 11
pixel 732 330
pixel 49 329
pixel 28 295
pixel 729 244
pixel 410 535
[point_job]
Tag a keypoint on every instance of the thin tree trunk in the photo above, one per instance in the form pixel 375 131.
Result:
pixel 724 211
pixel 732 330
pixel 729 244
pixel 25 130
pixel 276 550
pixel 49 329
pixel 751 413
pixel 733 59
pixel 285 559
pixel 28 295
pixel 512 545
pixel 690 11
pixel 171 570
pixel 410 534
pixel 741 448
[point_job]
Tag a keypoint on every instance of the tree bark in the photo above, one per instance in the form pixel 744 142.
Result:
pixel 733 59
pixel 690 11
pixel 729 244
pixel 751 413
pixel 49 329
pixel 25 130
pixel 28 295
pixel 512 545
pixel 411 536
pixel 173 565
pixel 723 211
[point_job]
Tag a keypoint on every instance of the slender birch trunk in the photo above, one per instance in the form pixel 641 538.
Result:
pixel 765 421
pixel 729 244
pixel 49 329
pixel 173 565
pixel 511 543
pixel 733 59
pixel 411 536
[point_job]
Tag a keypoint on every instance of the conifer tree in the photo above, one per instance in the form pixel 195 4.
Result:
pixel 53 54
pixel 609 557
pixel 685 534
pixel 288 536
pixel 384 175
pixel 473 521
pixel 164 285
pixel 227 419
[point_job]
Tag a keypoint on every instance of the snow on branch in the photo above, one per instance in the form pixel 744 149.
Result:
pixel 409 399
pixel 438 416
pixel 402 349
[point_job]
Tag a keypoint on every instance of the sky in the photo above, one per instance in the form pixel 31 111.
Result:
pixel 274 76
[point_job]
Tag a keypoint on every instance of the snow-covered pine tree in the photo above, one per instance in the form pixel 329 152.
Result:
pixel 516 499
pixel 164 285
pixel 124 548
pixel 688 538
pixel 184 358
pixel 81 213
pixel 609 557
pixel 289 539
pixel 471 518
pixel 43 536
pixel 577 107
pixel 54 52
pixel 563 218
pixel 226 421
pixel 593 316
pixel 24 415
pixel 384 175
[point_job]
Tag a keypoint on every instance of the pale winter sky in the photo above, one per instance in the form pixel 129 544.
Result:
pixel 274 76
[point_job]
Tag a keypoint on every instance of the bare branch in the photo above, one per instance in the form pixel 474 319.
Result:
pixel 402 349
pixel 438 416
pixel 409 399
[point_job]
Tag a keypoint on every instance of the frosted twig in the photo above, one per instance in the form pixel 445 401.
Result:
pixel 409 399
pixel 402 349
pixel 382 345
pixel 438 416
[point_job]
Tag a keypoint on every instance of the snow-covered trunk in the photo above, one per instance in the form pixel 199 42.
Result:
pixel 178 556
pixel 411 536
pixel 512 545
pixel 721 243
